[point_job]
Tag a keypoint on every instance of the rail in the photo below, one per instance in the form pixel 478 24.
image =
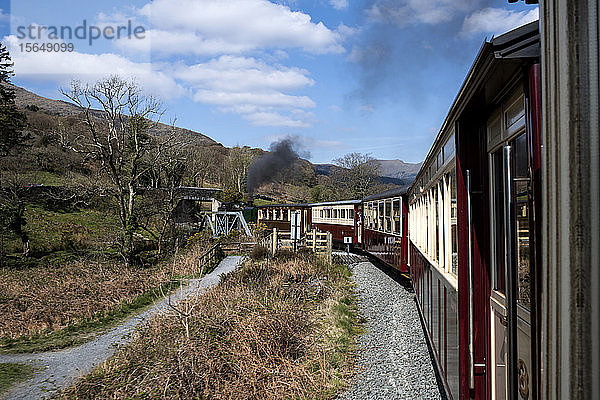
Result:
pixel 209 258
pixel 238 247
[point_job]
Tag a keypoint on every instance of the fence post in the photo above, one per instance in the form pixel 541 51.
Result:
pixel 274 244
pixel 329 246
pixel 314 240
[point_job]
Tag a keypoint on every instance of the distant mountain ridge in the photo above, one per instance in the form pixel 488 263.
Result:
pixel 395 172
pixel 399 169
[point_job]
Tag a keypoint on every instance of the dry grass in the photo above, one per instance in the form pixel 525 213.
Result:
pixel 50 298
pixel 275 330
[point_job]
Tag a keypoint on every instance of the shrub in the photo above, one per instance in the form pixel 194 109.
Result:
pixel 262 333
pixel 285 255
pixel 259 253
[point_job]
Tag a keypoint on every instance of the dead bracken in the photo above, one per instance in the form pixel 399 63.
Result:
pixel 271 330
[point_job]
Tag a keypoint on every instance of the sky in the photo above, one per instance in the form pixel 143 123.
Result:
pixel 339 76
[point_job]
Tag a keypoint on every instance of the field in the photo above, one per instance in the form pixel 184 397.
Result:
pixel 61 304
pixel 276 329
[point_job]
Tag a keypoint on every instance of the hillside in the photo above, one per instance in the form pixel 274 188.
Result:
pixel 27 99
pixel 289 185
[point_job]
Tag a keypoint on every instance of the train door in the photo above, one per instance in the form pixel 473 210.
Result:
pixel 511 252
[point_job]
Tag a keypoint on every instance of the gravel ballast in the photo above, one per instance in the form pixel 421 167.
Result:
pixel 57 369
pixel 394 360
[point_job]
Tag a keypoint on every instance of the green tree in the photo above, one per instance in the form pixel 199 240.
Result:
pixel 12 121
pixel 12 135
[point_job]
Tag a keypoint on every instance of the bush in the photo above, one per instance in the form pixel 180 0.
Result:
pixel 285 255
pixel 259 253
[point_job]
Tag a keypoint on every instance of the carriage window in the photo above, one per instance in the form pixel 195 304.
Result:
pixel 453 222
pixel 449 148
pixel 498 220
pixel 397 213
pixel 350 214
pixel 521 185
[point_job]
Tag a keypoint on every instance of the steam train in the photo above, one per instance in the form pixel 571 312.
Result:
pixel 471 232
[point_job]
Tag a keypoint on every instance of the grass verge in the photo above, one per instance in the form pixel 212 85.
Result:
pixel 86 329
pixel 48 308
pixel 13 373
pixel 282 329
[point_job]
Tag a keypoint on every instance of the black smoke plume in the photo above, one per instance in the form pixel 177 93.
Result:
pixel 282 155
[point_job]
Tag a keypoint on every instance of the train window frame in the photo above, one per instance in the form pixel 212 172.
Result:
pixel 509 133
pixel 424 210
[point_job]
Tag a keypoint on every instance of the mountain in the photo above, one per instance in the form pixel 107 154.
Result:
pixel 396 172
pixel 399 169
pixel 27 99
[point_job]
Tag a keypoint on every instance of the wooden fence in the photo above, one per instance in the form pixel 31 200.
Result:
pixel 319 242
pixel 208 260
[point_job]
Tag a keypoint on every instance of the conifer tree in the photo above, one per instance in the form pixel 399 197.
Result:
pixel 12 121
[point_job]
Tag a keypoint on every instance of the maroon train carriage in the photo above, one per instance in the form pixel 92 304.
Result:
pixel 385 227
pixel 473 234
pixel 340 218
pixel 280 216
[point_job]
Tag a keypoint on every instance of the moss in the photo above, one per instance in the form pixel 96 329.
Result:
pixel 13 373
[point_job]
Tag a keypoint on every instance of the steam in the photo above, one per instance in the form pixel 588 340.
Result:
pixel 266 168
pixel 403 43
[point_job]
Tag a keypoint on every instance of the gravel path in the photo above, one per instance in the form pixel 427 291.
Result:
pixel 394 361
pixel 58 369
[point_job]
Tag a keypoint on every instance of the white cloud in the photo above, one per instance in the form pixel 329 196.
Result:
pixel 265 118
pixel 256 88
pixel 266 99
pixel 235 26
pixel 250 88
pixel 239 74
pixel 496 21
pixel 339 4
pixel 62 67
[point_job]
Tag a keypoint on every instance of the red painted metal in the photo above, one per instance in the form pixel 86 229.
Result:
pixel 471 155
pixel 338 231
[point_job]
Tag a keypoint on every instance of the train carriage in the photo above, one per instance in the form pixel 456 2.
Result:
pixel 279 216
pixel 340 218
pixel 474 254
pixel 385 227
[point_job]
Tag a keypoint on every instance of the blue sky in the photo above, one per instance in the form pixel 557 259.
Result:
pixel 339 75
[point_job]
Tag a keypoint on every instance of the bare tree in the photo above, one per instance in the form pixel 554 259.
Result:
pixel 172 166
pixel 356 173
pixel 236 168
pixel 202 164
pixel 117 137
